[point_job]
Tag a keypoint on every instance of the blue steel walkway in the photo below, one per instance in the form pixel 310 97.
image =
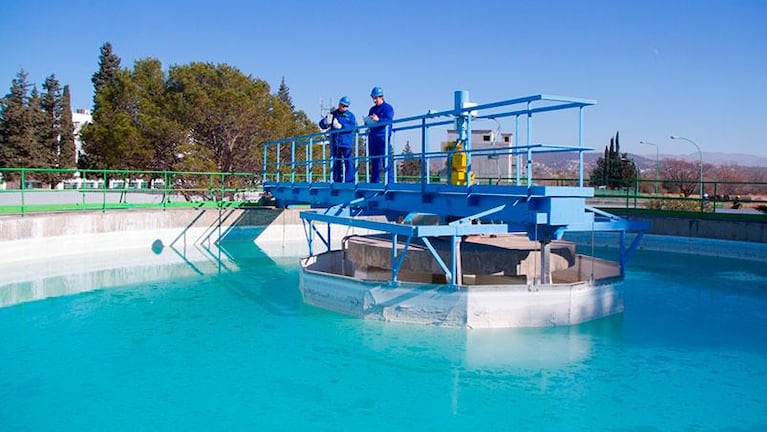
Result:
pixel 302 175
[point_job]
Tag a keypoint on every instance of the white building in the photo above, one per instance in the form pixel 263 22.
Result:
pixel 80 117
pixel 489 165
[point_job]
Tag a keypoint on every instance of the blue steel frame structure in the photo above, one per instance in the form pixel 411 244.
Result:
pixel 544 213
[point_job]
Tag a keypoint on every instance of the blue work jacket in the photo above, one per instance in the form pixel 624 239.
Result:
pixel 343 137
pixel 385 113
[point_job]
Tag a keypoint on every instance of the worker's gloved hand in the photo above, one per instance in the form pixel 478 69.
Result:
pixel 337 124
pixel 329 119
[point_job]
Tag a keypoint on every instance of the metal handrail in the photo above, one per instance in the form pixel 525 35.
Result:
pixel 277 167
pixel 75 189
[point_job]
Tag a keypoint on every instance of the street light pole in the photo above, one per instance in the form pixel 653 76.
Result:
pixel 700 156
pixel 657 163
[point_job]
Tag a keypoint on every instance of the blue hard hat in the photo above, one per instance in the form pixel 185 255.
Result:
pixel 377 91
pixel 344 101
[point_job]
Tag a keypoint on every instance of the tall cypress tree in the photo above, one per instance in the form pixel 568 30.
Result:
pixel 67 150
pixel 614 169
pixel 50 128
pixel 37 152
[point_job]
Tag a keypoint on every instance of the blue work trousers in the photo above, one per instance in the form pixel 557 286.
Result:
pixel 378 163
pixel 343 166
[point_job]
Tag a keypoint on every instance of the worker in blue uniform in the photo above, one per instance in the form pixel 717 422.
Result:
pixel 341 123
pixel 378 136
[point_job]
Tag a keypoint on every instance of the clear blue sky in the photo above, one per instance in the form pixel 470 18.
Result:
pixel 692 68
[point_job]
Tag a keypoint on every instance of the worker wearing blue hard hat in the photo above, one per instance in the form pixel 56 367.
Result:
pixel 341 123
pixel 380 112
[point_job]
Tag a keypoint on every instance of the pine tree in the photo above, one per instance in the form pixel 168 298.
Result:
pixel 109 67
pixel 113 140
pixel 17 133
pixel 284 94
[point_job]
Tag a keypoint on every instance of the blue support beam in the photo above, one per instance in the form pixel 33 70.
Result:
pixel 543 212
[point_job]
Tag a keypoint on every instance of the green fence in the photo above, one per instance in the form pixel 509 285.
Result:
pixel 716 195
pixel 24 190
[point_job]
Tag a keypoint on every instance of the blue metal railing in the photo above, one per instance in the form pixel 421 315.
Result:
pixel 309 158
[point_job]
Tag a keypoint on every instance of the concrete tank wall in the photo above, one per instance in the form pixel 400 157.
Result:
pixel 721 229
pixel 66 233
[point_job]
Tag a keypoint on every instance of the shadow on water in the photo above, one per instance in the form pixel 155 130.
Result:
pixel 241 265
pixel 270 282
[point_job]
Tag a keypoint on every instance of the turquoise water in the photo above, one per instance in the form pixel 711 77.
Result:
pixel 237 350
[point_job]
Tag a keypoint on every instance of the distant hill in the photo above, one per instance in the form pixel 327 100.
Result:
pixel 561 161
pixel 715 158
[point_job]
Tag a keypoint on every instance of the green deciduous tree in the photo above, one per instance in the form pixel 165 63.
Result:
pixel 155 117
pixel 195 117
pixel 225 112
pixel 229 115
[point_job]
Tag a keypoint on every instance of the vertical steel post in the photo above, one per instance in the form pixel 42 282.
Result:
pixel 263 175
pixel 394 260
pixel 367 157
pixel 529 167
pixel 104 192
pixel 529 143
pixel 424 168
pixel 518 153
pixel 324 160
pixel 277 178
pixel 293 161
pixel 23 181
pixel 580 144
pixel 387 163
pixel 546 261
pixel 455 260
pixel 308 158
pixel 356 157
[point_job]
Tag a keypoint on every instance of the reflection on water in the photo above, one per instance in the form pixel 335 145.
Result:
pixel 259 267
pixel 195 339
pixel 494 349
pixel 39 279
